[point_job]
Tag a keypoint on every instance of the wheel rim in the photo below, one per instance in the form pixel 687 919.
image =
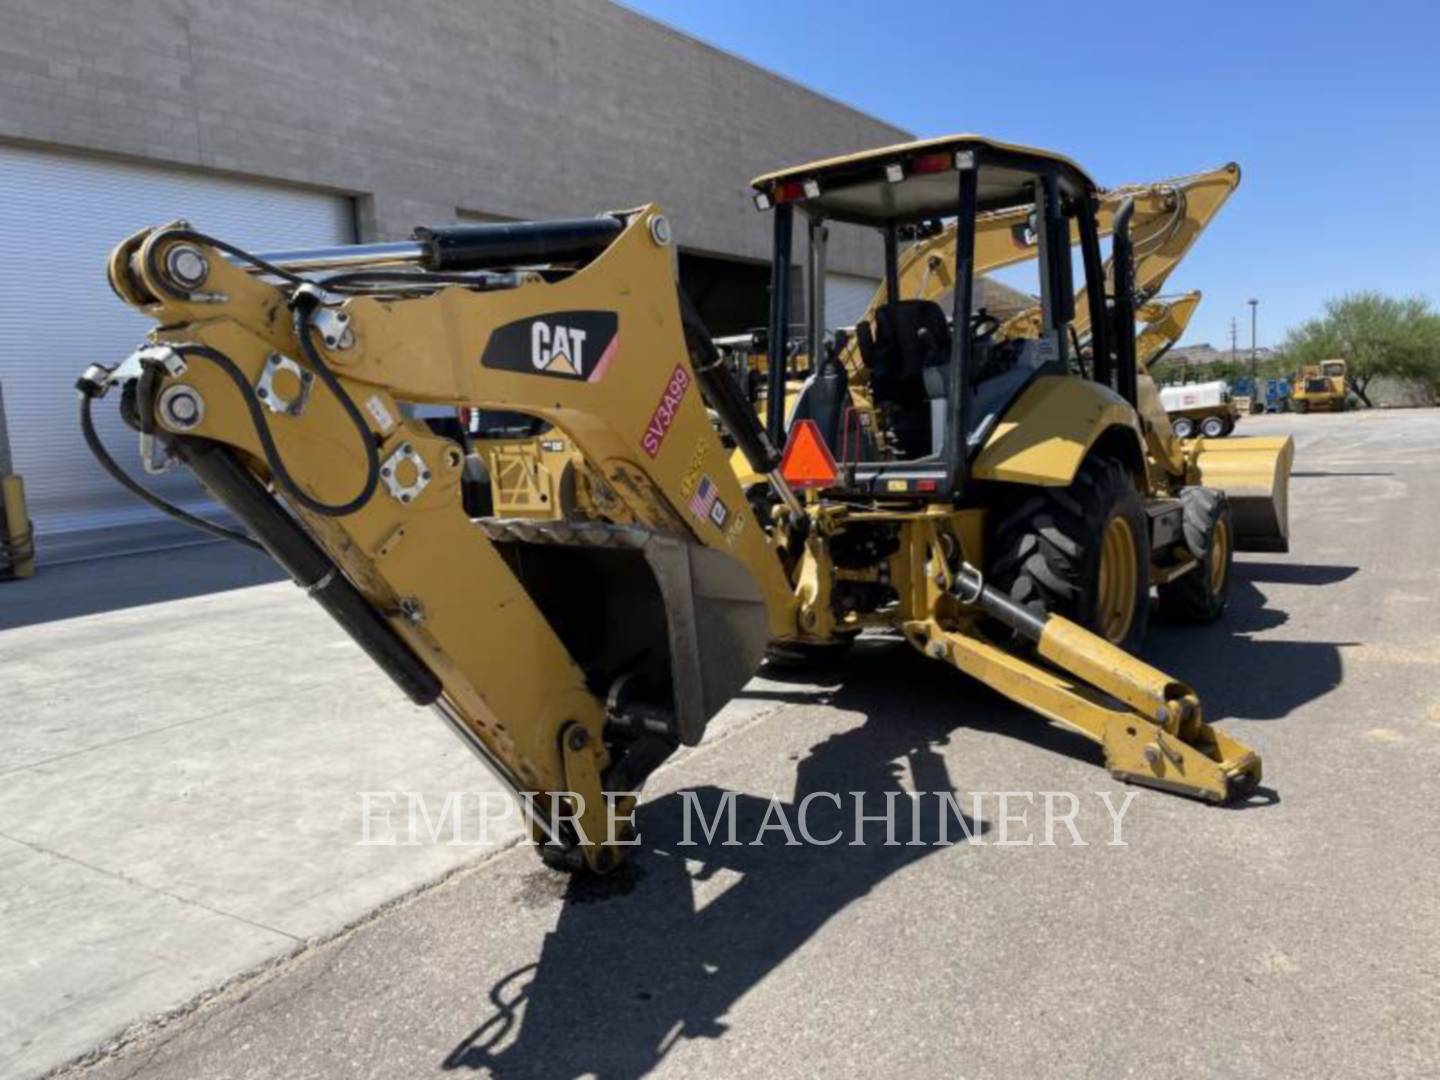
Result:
pixel 1115 591
pixel 1219 557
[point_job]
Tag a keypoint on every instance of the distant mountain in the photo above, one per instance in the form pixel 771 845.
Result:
pixel 1205 355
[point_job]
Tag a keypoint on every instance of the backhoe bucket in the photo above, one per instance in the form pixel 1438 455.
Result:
pixel 1254 473
pixel 666 630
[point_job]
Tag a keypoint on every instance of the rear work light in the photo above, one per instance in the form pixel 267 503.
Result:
pixel 793 190
pixel 931 163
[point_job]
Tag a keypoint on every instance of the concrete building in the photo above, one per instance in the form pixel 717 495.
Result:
pixel 276 124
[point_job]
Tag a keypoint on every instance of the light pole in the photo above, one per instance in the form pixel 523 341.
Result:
pixel 1254 368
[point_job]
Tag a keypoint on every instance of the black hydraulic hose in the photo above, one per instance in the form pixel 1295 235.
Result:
pixel 130 484
pixel 359 280
pixel 267 442
pixel 191 235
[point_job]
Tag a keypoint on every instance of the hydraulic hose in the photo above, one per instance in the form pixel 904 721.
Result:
pixel 267 442
pixel 186 233
pixel 130 484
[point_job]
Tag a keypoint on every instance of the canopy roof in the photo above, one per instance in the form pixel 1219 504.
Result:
pixel 867 188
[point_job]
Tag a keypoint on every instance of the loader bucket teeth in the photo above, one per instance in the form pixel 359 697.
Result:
pixel 1254 473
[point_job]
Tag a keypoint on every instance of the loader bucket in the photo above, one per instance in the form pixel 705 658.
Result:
pixel 1254 473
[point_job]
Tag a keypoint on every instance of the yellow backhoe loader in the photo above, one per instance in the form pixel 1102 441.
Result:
pixel 1011 525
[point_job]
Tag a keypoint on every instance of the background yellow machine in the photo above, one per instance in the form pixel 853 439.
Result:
pixel 17 534
pixel 1320 387
pixel 1009 516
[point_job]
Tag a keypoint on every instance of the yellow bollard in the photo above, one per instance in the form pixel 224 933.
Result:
pixel 17 541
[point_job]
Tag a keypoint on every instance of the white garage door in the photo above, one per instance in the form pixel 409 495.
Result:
pixel 60 215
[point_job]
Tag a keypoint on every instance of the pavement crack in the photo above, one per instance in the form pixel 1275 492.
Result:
pixel 103 745
pixel 128 880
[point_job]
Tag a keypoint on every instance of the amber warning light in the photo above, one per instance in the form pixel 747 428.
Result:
pixel 807 462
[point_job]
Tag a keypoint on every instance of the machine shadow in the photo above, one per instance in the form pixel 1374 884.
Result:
pixel 1317 475
pixel 606 1001
pixel 1239 674
pixel 1235 673
pixel 618 984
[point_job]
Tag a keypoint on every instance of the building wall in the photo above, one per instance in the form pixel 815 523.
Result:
pixel 427 108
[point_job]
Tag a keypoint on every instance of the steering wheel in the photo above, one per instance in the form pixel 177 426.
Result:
pixel 983 324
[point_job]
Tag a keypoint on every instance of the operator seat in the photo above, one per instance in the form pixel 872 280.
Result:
pixel 909 360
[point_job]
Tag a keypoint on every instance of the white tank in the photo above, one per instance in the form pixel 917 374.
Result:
pixel 1206 395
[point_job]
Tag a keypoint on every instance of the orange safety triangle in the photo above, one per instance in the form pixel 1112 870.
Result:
pixel 807 461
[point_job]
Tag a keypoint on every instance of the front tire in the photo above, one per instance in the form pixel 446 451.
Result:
pixel 1200 595
pixel 1082 552
pixel 1213 427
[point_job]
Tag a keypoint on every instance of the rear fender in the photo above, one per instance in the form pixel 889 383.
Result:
pixel 1052 427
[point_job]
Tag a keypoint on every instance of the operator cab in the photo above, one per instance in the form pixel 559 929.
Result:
pixel 929 380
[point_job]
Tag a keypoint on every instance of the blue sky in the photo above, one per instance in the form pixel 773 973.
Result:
pixel 1332 110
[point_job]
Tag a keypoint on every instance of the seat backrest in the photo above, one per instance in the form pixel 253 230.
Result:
pixel 910 336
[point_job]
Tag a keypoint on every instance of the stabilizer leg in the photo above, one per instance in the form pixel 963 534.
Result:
pixel 1150 725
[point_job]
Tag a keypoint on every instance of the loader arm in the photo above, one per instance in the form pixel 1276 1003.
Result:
pixel 1169 217
pixel 572 659
pixel 1163 321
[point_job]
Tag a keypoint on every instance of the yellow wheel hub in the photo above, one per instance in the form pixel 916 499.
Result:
pixel 1115 590
pixel 1219 557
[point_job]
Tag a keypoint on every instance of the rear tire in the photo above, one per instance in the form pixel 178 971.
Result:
pixel 1184 427
pixel 1213 427
pixel 1200 595
pixel 1082 552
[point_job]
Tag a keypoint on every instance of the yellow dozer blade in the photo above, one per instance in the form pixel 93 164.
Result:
pixel 1254 473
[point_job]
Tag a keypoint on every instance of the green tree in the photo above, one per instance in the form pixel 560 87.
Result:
pixel 1375 335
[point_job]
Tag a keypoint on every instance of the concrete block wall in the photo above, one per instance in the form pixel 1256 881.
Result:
pixel 516 108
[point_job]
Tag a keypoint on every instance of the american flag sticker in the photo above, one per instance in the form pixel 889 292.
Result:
pixel 705 504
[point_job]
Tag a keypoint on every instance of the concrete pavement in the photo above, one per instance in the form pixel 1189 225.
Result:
pixel 1298 936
